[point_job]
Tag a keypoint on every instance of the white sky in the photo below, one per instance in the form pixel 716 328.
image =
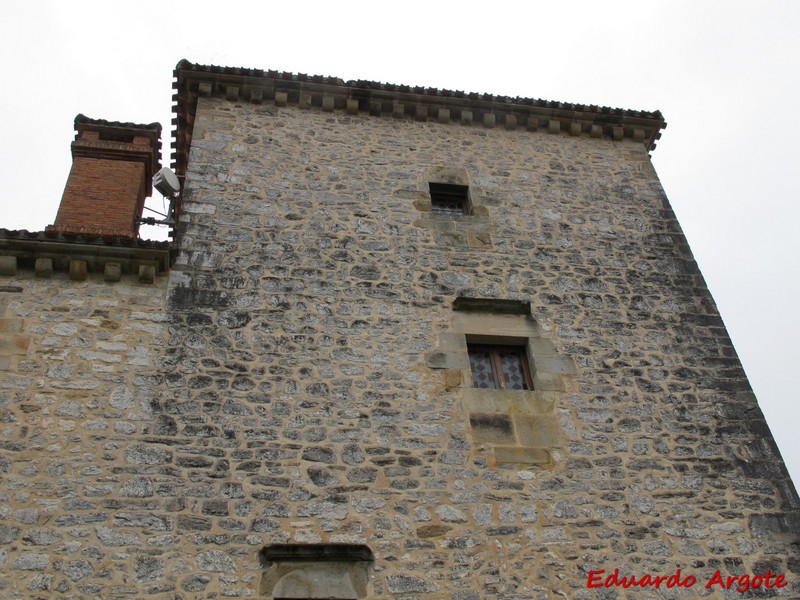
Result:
pixel 726 75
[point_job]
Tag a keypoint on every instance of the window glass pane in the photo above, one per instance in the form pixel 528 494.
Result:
pixel 447 206
pixel 481 364
pixel 447 199
pixel 513 373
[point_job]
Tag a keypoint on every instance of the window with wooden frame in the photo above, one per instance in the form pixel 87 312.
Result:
pixel 499 367
pixel 449 199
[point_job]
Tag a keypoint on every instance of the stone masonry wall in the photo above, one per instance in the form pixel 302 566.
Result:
pixel 305 381
pixel 312 286
pixel 77 392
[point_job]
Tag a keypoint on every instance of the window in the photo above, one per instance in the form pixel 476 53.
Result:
pixel 499 367
pixel 449 199
pixel 309 571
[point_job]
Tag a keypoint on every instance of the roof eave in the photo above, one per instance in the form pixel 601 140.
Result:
pixel 399 101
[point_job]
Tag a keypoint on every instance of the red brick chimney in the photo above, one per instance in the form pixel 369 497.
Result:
pixel 112 173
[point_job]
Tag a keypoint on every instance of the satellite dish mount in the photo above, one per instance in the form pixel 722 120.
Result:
pixel 166 182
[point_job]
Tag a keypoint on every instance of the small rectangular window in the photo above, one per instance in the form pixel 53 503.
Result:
pixel 499 367
pixel 449 199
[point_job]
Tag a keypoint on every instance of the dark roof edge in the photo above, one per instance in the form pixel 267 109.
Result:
pixel 185 65
pixel 81 119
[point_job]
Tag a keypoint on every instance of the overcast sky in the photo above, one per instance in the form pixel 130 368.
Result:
pixel 726 75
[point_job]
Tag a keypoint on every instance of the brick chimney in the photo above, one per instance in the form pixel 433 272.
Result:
pixel 112 173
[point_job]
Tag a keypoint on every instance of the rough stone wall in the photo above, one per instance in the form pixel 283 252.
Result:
pixel 303 384
pixel 312 286
pixel 78 383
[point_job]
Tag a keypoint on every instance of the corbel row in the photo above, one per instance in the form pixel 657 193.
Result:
pixel 329 102
pixel 78 269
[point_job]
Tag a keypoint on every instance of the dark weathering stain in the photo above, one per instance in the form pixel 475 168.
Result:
pixel 497 422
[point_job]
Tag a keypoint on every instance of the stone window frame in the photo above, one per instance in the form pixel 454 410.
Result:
pixel 516 427
pixel 315 571
pixel 442 193
pixel 457 231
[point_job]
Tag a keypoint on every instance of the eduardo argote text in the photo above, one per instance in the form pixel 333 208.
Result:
pixel 741 583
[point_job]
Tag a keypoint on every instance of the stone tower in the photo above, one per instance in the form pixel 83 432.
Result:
pixel 409 343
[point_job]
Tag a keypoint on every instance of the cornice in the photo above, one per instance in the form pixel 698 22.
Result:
pixel 49 251
pixel 331 94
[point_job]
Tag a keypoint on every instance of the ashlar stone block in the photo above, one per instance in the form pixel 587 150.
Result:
pixel 147 274
pixel 78 270
pixel 112 272
pixel 11 325
pixel 493 428
pixel 8 265
pixel 43 268
pixel 519 455
pixel 522 402
pixel 537 431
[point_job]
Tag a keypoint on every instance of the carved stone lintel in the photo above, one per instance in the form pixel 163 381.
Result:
pixel 495 305
pixel 316 552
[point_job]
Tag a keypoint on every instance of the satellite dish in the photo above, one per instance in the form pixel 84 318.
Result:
pixel 166 182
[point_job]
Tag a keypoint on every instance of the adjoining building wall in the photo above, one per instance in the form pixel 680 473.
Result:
pixel 296 406
pixel 80 508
